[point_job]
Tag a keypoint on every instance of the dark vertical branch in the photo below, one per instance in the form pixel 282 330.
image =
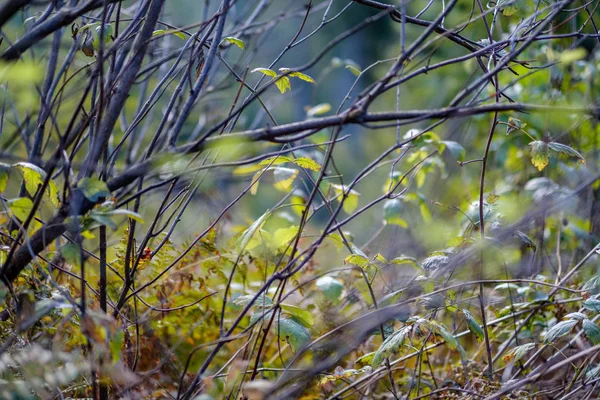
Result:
pixel 46 94
pixel 121 90
pixel 208 62
pixel 10 8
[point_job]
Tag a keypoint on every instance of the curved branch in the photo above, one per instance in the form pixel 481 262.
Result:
pixel 62 18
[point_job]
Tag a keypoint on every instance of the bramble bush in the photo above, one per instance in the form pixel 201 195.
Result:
pixel 319 199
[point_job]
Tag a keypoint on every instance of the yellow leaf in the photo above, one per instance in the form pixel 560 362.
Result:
pixel 246 169
pixel 298 203
pixel 539 154
pixel 275 160
pixel 177 33
pixel 283 84
pixel 265 71
pixel 255 179
pixel 303 77
pixel 319 109
pixel 357 260
pixel 350 203
pixel 284 177
pixel 307 163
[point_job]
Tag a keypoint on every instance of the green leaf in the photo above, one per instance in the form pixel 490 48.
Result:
pixel 233 40
pixel 450 340
pixel 455 149
pixel 22 75
pixel 87 234
pixel 303 162
pixel 351 201
pixel 256 181
pixel 116 345
pixel 434 301
pixel 265 71
pixel 93 189
pixel 576 315
pixel 177 33
pixel 514 124
pixel 331 287
pixel 492 198
pixel 3 289
pixel 526 240
pixel 405 260
pixel 108 30
pixel 510 10
pixel 30 20
pixel 448 337
pixel 262 302
pixel 4 175
pixel 592 332
pixel 354 69
pixel 292 331
pixel 283 236
pixel 337 240
pixel 365 359
pixel 303 316
pixel 103 219
pixel 571 55
pixel 30 312
pixel 282 82
pixel 21 207
pixel 261 315
pixel 592 373
pixel 356 259
pixel 560 329
pixel 518 352
pixel 130 214
pixel 392 209
pixel 380 258
pixel 52 193
pixel 473 325
pixel 563 148
pixel 392 181
pixel 425 213
pixel 424 139
pixel 32 175
pixel 246 236
pixel 434 262
pixel 88 26
pixel 593 283
pixel 298 202
pixel 71 253
pixel 539 154
pixel 390 345
pixel 262 239
pixel 592 304
pixel 303 77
